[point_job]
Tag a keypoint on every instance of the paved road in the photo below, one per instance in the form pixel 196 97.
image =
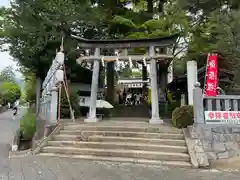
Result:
pixel 45 168
pixel 8 126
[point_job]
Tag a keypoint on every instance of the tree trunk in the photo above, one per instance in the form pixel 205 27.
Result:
pixel 150 6
pixel 161 6
pixel 144 78
pixel 110 82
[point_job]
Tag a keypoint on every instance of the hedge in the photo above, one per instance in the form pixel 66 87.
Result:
pixel 182 116
pixel 28 125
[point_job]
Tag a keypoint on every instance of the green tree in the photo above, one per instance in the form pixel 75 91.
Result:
pixel 9 91
pixel 7 74
pixel 34 30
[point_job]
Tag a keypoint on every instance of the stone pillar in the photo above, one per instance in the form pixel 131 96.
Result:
pixel 53 106
pixel 198 104
pixel 94 89
pixel 183 98
pixel 191 79
pixel 155 119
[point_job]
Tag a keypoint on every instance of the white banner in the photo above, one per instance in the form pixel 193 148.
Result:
pixel 170 73
pixel 222 117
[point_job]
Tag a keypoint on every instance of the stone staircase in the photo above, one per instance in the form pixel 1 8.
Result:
pixel 135 142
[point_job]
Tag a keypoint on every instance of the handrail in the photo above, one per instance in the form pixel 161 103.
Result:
pixel 222 97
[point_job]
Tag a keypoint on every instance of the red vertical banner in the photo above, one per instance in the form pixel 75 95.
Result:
pixel 211 75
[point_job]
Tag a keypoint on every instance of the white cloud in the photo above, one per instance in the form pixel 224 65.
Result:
pixel 4 2
pixel 7 60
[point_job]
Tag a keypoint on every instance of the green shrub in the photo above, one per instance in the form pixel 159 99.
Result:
pixel 28 125
pixel 182 116
pixel 74 98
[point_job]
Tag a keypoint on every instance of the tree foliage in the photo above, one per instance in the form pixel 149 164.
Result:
pixel 34 29
pixel 9 91
pixel 7 74
pixel 30 87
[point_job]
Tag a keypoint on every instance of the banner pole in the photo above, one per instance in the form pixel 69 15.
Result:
pixel 206 69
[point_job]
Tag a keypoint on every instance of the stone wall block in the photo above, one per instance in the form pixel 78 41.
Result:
pixel 193 132
pixel 198 142
pixel 231 145
pixel 207 146
pixel 198 149
pixel 211 155
pixel 216 137
pixel 221 130
pixel 229 137
pixel 235 130
pixel 218 147
pixel 222 137
pixel 233 153
pixel 228 130
pixel 206 133
pixel 223 155
pixel 237 137
pixel 198 146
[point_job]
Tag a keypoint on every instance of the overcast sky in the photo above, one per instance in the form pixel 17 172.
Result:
pixel 5 58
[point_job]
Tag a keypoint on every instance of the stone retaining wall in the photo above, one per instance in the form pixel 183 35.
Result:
pixel 218 142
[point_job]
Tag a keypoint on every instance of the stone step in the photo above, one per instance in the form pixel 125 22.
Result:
pixel 152 155
pixel 123 134
pixel 174 142
pixel 125 127
pixel 119 145
pixel 121 160
pixel 67 137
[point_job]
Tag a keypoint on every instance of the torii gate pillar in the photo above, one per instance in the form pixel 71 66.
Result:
pixel 155 119
pixel 94 89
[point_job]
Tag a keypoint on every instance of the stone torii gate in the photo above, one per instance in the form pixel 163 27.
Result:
pixel 124 44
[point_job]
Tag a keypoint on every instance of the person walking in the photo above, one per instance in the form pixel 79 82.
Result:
pixel 15 107
pixel 129 99
pixel 138 98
